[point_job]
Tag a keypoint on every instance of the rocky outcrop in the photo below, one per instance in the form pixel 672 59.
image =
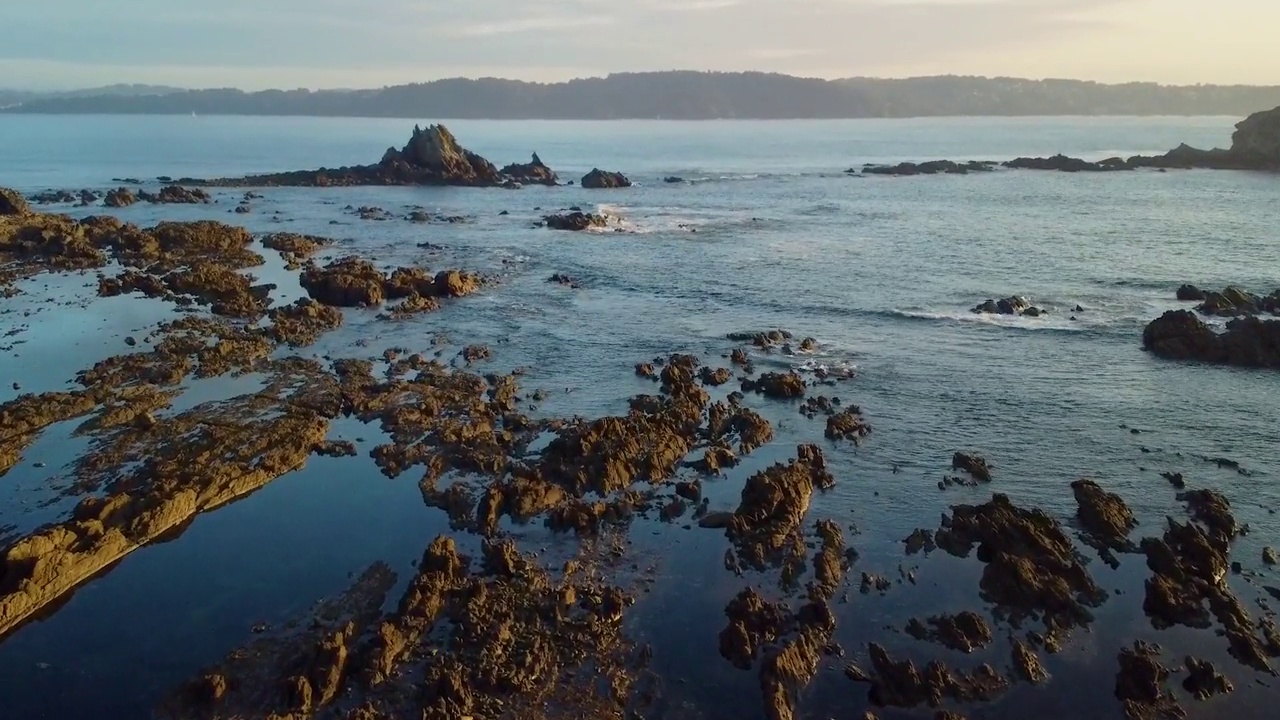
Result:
pixel 1062 163
pixel 120 197
pixel 1012 305
pixel 11 203
pixel 176 194
pixel 575 221
pixel 932 167
pixel 599 179
pixel 353 282
pixel 431 157
pixel 1247 341
pixel 1189 293
pixel 535 172
pixel 1233 301
pixel 1255 145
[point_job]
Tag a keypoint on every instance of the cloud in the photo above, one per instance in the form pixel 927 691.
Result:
pixel 257 43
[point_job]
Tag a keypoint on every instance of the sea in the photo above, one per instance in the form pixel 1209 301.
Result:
pixel 767 230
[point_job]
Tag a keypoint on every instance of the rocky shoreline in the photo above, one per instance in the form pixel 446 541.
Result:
pixel 502 632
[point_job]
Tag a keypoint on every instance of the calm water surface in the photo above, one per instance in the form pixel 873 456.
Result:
pixel 769 232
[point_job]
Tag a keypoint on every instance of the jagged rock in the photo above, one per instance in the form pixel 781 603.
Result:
pixel 120 197
pixel 1203 679
pixel 1247 341
pixel 848 424
pixel 532 173
pixel 347 282
pixel 776 385
pixel 975 465
pixel 176 194
pixel 965 632
pixel 1140 685
pixel 11 203
pixel 599 179
pixel 1032 567
pixel 575 221
pixel 1255 145
pixel 431 157
pixel 1012 305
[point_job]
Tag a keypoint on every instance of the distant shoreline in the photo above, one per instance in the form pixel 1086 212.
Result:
pixel 680 96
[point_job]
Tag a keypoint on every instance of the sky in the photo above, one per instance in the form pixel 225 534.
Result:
pixel 258 44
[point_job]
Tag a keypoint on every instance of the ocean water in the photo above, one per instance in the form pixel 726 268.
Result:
pixel 767 232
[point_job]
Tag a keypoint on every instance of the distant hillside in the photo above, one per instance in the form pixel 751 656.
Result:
pixel 691 95
pixel 13 97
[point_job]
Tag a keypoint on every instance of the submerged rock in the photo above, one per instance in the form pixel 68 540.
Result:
pixel 599 179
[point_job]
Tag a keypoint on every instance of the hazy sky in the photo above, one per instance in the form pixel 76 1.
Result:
pixel 355 43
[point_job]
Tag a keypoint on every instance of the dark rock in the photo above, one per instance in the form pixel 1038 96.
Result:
pixel 1255 145
pixel 53 197
pixel 1012 305
pixel 599 179
pixel 1175 479
pixel 1190 292
pixel 563 279
pixel 1247 341
pixel 932 167
pixel 176 194
pixel 532 173
pixel 1203 679
pixel 576 221
pixel 975 465
pixel 673 180
pixel 431 157
pixel 1140 685
pixel 1063 163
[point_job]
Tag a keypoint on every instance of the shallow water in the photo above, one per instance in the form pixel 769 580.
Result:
pixel 769 233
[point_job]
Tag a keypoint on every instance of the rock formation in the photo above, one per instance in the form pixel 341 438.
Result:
pixel 575 221
pixel 599 179
pixel 1247 341
pixel 431 157
pixel 533 173
pixel 1012 305
pixel 11 203
pixel 1255 145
